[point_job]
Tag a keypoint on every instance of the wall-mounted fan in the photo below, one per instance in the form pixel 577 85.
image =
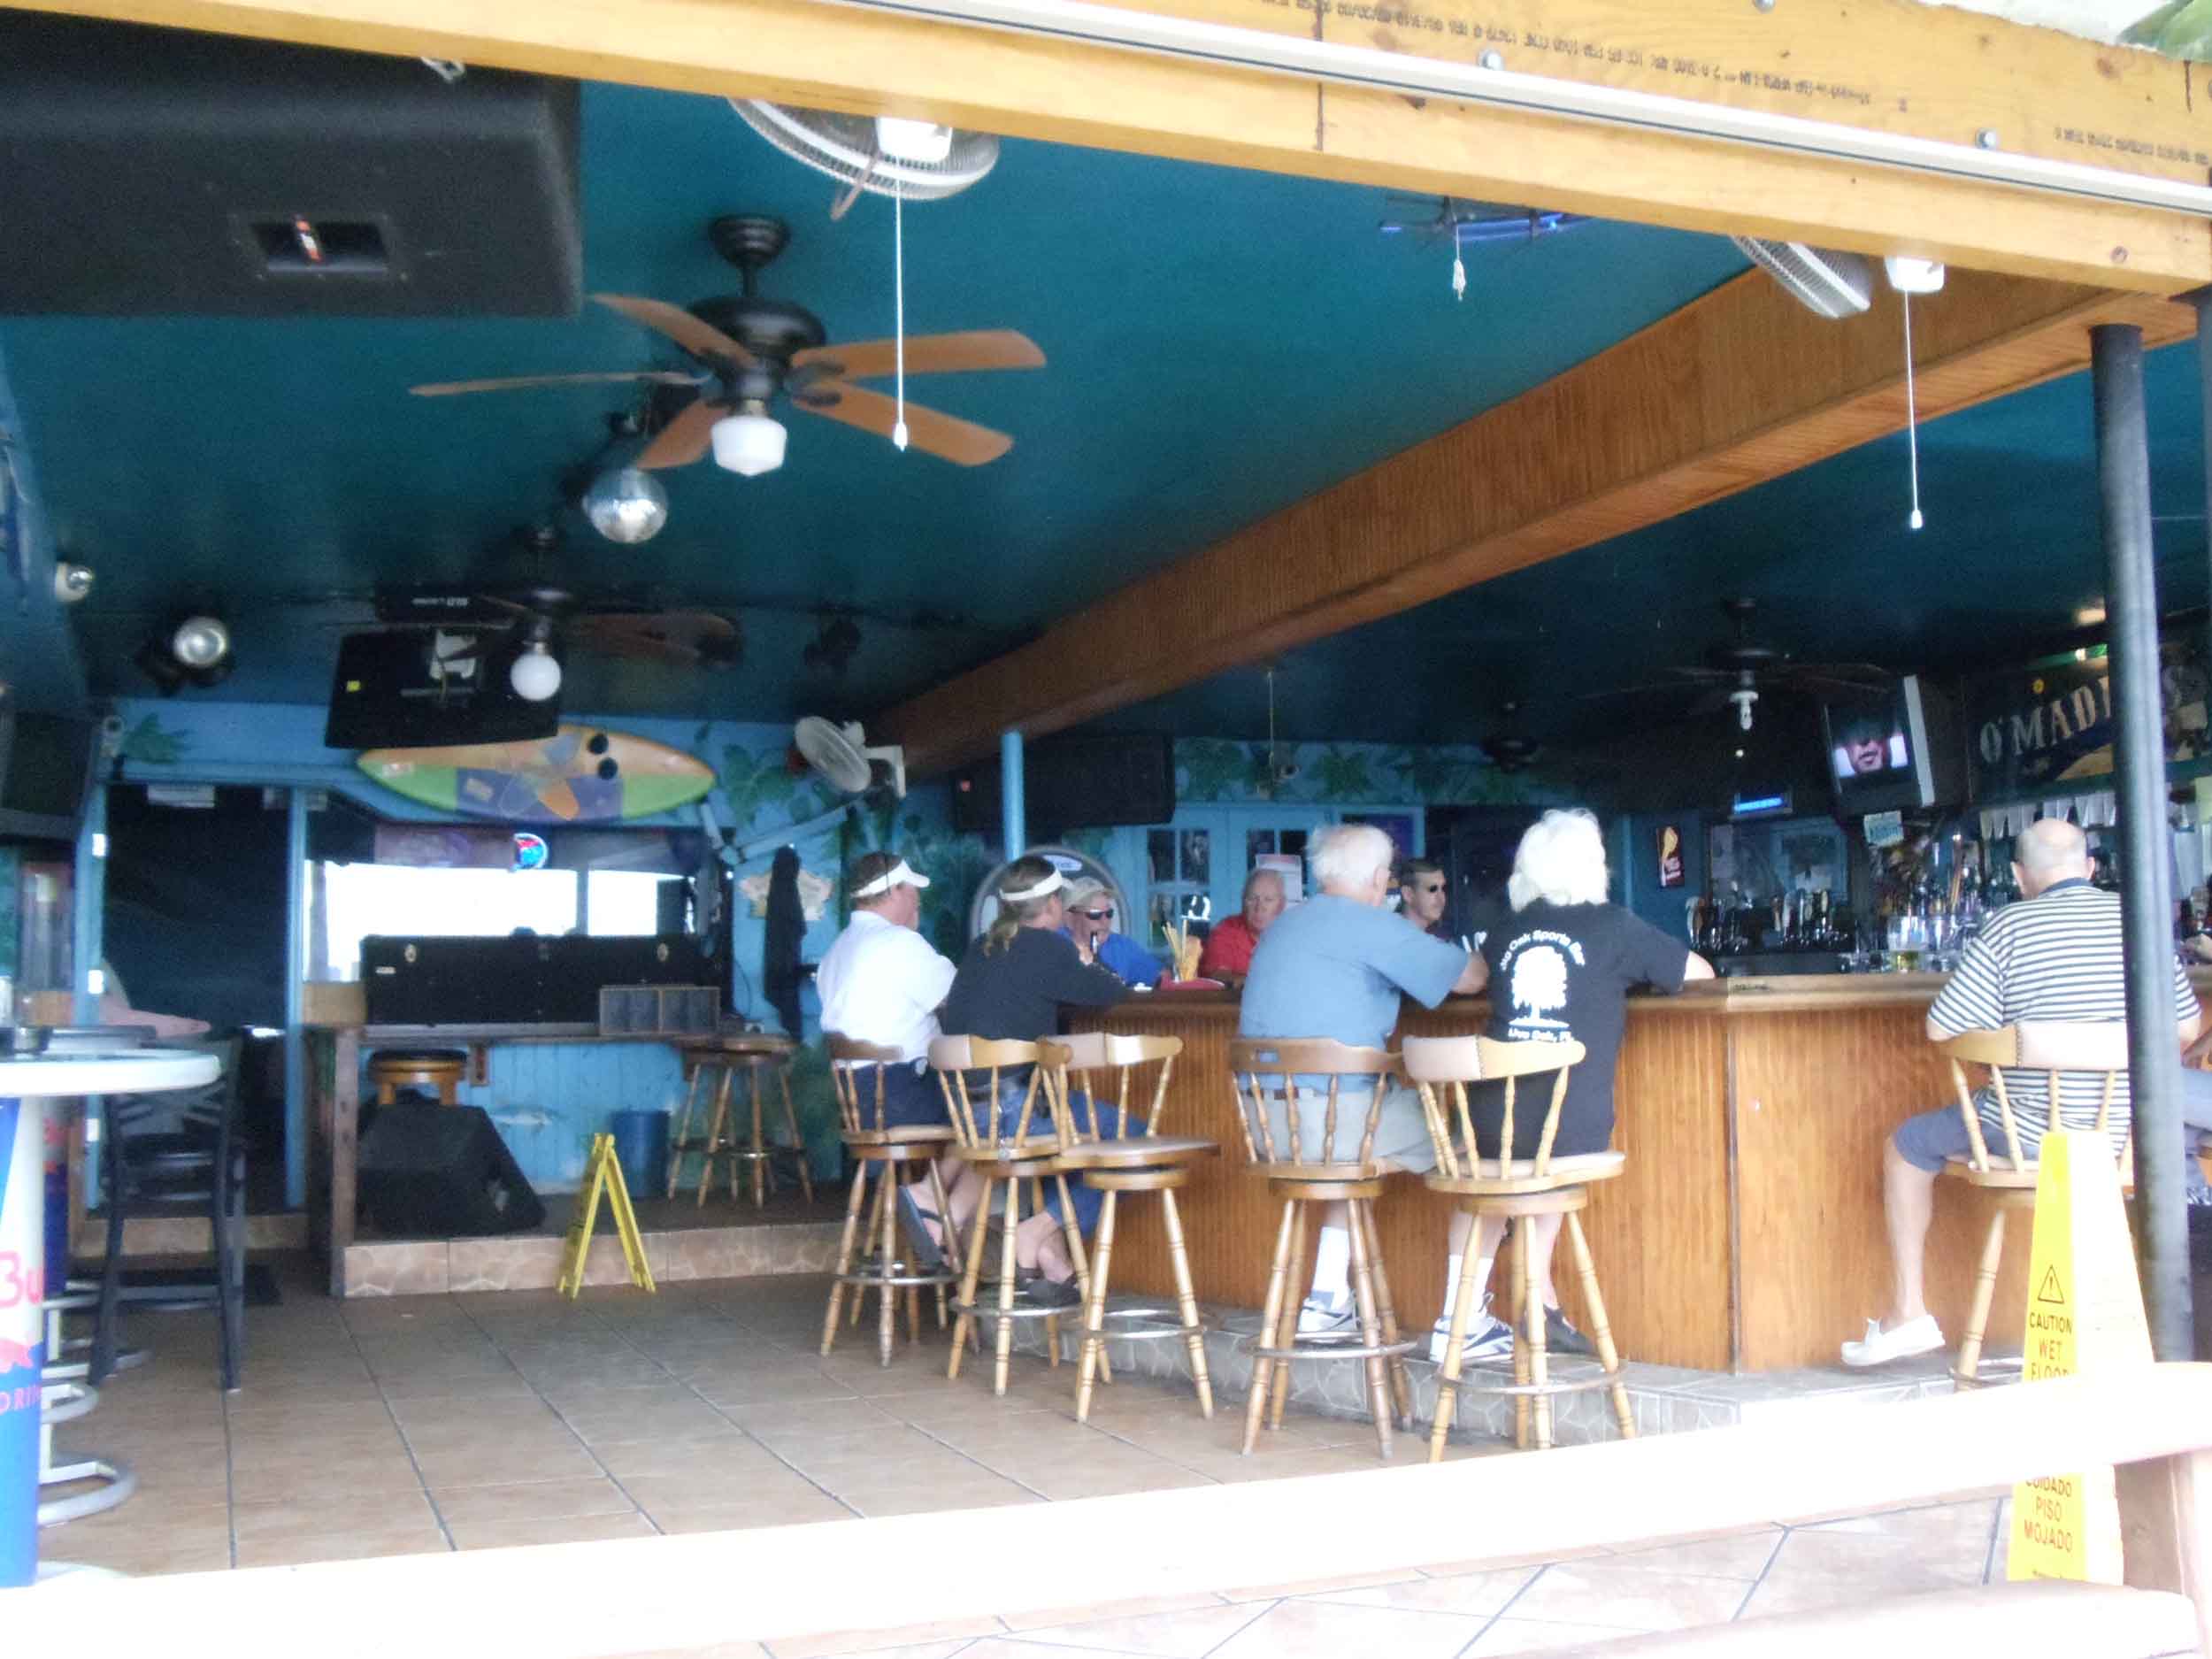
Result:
pixel 885 155
pixel 1736 674
pixel 840 756
pixel 753 351
pixel 1823 281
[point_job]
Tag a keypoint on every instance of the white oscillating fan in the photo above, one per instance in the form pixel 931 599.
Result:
pixel 1822 280
pixel 917 161
pixel 841 755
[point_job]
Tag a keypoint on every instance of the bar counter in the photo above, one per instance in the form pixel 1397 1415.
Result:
pixel 1745 1233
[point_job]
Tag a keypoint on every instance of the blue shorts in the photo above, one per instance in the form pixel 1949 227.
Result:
pixel 1927 1141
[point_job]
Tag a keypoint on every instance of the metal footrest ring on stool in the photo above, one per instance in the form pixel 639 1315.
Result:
pixel 1583 1376
pixel 1323 1348
pixel 65 1402
pixel 1147 1322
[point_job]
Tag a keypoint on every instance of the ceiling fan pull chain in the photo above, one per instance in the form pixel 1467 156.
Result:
pixel 898 302
pixel 1459 268
pixel 1912 425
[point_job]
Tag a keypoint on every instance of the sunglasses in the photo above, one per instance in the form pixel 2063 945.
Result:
pixel 1430 887
pixel 1097 915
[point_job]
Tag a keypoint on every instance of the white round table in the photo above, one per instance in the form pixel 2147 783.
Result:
pixel 25 1086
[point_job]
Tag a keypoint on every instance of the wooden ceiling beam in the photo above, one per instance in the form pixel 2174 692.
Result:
pixel 1737 387
pixel 1895 67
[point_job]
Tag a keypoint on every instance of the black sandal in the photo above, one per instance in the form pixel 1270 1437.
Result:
pixel 929 1256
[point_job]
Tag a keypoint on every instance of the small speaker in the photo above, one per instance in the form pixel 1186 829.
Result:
pixel 435 1172
pixel 167 172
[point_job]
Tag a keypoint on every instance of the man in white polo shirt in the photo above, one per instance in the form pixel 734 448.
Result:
pixel 881 983
pixel 2055 956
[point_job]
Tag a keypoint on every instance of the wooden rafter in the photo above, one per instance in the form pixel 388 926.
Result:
pixel 1737 387
pixel 1895 65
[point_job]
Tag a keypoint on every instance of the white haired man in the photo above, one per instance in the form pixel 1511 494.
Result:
pixel 1562 964
pixel 2055 956
pixel 1336 966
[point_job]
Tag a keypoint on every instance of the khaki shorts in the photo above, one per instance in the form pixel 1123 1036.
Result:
pixel 1401 1132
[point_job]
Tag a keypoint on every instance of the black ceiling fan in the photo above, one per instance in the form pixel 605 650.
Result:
pixel 1737 670
pixel 752 351
pixel 1510 749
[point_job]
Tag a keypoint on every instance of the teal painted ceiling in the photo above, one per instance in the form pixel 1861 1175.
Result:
pixel 2009 555
pixel 1220 344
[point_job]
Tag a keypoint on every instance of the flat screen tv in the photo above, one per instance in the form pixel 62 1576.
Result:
pixel 1075 783
pixel 45 768
pixel 1893 749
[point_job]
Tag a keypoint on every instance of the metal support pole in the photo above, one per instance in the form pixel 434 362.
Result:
pixel 1013 809
pixel 87 920
pixel 2124 479
pixel 295 1002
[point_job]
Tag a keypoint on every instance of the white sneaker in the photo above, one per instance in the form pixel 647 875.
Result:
pixel 1327 1315
pixel 1486 1338
pixel 1879 1347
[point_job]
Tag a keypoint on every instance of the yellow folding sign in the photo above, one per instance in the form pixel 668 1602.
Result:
pixel 602 1175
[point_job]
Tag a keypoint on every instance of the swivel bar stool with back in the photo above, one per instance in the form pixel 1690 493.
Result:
pixel 1010 1150
pixel 1094 1069
pixel 2058 1048
pixel 872 1261
pixel 1520 1190
pixel 1272 1110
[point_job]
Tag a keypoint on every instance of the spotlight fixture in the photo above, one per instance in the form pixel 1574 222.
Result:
pixel 750 442
pixel 72 582
pixel 627 505
pixel 832 647
pixel 196 651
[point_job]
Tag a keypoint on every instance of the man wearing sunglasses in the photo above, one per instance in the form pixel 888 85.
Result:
pixel 1091 924
pixel 1422 896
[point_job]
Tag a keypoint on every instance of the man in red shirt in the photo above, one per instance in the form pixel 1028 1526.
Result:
pixel 1228 954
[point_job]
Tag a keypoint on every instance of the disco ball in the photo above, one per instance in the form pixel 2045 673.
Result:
pixel 627 505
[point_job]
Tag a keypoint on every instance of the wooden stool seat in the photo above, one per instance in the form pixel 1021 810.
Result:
pixel 2058 1049
pixel 887 1152
pixel 1021 1158
pixel 1141 1152
pixel 1519 1191
pixel 440 1069
pixel 716 1065
pixel 1106 1071
pixel 1266 1075
pixel 1522 1176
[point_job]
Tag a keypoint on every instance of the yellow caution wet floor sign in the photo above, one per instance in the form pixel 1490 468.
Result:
pixel 602 1177
pixel 2085 1316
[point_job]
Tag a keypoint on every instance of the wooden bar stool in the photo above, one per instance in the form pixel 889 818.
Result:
pixel 1520 1190
pixel 857 1070
pixel 1264 1072
pixel 1096 1066
pixel 2058 1048
pixel 715 1068
pixel 1025 1153
pixel 439 1070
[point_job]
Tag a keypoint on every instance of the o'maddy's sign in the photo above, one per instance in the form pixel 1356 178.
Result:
pixel 2053 723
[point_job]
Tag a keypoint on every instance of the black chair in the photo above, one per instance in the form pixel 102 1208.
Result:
pixel 168 1155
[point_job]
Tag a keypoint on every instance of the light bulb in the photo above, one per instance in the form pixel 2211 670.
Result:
pixel 200 642
pixel 748 443
pixel 627 505
pixel 535 674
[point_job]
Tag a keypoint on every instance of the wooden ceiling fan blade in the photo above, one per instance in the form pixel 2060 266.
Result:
pixel 948 437
pixel 700 339
pixel 683 440
pixel 684 638
pixel 925 354
pixel 523 382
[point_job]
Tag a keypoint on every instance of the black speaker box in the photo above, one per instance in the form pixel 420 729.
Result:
pixel 428 1170
pixel 526 980
pixel 148 171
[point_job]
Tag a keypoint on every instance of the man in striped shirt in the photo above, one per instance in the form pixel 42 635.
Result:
pixel 2055 956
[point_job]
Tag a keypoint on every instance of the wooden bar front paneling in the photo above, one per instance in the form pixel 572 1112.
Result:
pixel 1747 1231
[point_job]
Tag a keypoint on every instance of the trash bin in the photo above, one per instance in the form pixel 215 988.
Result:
pixel 641 1146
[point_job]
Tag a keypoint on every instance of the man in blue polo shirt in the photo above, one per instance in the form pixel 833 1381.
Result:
pixel 1336 966
pixel 1091 918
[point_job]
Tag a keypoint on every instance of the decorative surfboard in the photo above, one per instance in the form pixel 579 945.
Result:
pixel 581 774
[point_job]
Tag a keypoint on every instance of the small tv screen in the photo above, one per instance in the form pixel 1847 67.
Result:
pixel 1893 748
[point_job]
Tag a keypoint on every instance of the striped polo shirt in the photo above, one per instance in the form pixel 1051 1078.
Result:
pixel 2055 956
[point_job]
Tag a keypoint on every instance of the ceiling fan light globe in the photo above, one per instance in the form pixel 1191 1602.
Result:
pixel 627 505
pixel 536 675
pixel 199 643
pixel 748 445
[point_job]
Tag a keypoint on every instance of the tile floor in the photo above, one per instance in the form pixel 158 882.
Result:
pixel 439 1423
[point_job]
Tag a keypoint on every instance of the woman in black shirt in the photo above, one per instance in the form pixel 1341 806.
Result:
pixel 1011 986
